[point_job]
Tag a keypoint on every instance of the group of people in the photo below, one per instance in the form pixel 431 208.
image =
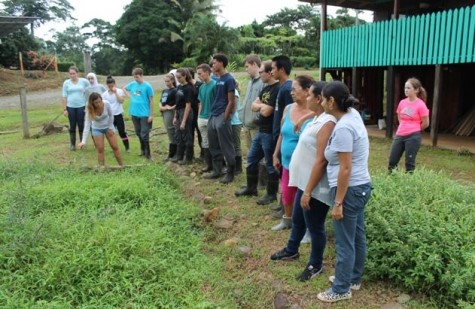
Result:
pixel 305 134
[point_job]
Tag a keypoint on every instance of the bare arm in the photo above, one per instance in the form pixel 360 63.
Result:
pixel 318 169
pixel 150 116
pixel 300 122
pixel 185 115
pixel 342 183
pixel 425 122
pixel 231 105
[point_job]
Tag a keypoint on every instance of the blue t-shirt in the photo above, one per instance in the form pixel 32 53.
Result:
pixel 75 93
pixel 235 120
pixel 349 135
pixel 289 138
pixel 225 85
pixel 284 98
pixel 139 98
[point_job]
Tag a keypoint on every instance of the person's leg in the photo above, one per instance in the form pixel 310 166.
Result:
pixel 345 233
pixel 315 222
pixel 237 147
pixel 397 148
pixel 188 136
pixel 254 155
pixel 99 144
pixel 81 114
pixel 115 148
pixel 72 117
pixel 203 127
pixel 137 128
pixel 298 225
pixel 120 125
pixel 145 127
pixel 288 197
pixel 225 137
pixel 412 145
pixel 272 186
pixel 215 150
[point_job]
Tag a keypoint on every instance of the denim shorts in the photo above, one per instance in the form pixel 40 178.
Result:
pixel 99 132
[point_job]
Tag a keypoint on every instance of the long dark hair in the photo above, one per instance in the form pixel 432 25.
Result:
pixel 92 107
pixel 186 73
pixel 341 94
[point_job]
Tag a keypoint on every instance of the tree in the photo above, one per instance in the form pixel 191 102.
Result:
pixel 45 10
pixel 70 45
pixel 18 41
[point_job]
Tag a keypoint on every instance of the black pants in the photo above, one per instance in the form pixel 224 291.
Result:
pixel 184 137
pixel 120 125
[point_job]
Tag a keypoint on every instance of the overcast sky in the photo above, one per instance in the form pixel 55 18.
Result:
pixel 234 13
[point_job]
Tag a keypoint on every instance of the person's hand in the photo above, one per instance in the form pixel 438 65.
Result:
pixel 150 119
pixel 81 145
pixel 298 125
pixel 276 163
pixel 337 212
pixel 65 112
pixel 175 121
pixel 182 126
pixel 305 201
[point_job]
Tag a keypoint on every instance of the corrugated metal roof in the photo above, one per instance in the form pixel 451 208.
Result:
pixel 10 24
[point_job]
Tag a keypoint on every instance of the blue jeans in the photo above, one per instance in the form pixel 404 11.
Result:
pixel 314 220
pixel 262 147
pixel 350 238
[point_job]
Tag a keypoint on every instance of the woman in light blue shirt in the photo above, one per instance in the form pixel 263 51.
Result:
pixel 74 102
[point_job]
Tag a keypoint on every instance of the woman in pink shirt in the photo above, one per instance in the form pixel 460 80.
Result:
pixel 413 116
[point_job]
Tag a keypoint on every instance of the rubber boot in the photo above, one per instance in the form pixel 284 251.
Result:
pixel 180 152
pixel 216 173
pixel 72 141
pixel 147 153
pixel 171 151
pixel 126 144
pixel 229 177
pixel 188 157
pixel 285 223
pixel 208 161
pixel 142 147
pixel 263 175
pixel 238 168
pixel 251 188
pixel 272 188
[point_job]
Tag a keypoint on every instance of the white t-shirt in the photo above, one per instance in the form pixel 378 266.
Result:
pixel 349 135
pixel 117 108
pixel 304 157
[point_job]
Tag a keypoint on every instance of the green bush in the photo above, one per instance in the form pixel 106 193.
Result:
pixel 64 66
pixel 421 235
pixel 122 239
pixel 304 62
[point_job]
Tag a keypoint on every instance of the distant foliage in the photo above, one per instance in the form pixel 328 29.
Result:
pixel 421 235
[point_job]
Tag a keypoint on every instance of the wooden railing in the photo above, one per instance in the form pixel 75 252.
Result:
pixel 439 38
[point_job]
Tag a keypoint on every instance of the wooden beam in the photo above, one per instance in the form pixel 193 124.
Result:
pixel 24 113
pixel 323 27
pixel 434 126
pixel 390 102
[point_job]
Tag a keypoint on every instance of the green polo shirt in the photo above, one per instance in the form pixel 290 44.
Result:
pixel 206 98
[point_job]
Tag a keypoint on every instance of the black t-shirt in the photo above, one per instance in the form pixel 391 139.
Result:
pixel 284 98
pixel 168 97
pixel 194 104
pixel 184 94
pixel 267 96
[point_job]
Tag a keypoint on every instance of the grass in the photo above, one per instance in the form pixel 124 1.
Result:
pixel 222 276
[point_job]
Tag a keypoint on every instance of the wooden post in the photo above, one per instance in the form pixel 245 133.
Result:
pixel 87 62
pixel 323 27
pixel 24 113
pixel 434 122
pixel 390 102
pixel 20 58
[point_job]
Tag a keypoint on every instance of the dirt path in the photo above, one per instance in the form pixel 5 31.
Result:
pixel 50 97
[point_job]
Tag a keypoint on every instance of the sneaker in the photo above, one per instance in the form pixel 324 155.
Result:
pixel 283 255
pixel 72 147
pixel 310 272
pixel 330 297
pixel 354 286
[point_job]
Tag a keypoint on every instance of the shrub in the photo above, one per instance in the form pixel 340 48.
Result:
pixel 64 66
pixel 421 235
pixel 304 62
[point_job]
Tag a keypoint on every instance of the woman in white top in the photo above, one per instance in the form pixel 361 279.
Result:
pixel 100 119
pixel 308 174
pixel 115 96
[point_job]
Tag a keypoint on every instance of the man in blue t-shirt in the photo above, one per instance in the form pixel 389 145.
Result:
pixel 141 109
pixel 220 134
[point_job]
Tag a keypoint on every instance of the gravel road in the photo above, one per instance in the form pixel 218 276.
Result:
pixel 51 97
